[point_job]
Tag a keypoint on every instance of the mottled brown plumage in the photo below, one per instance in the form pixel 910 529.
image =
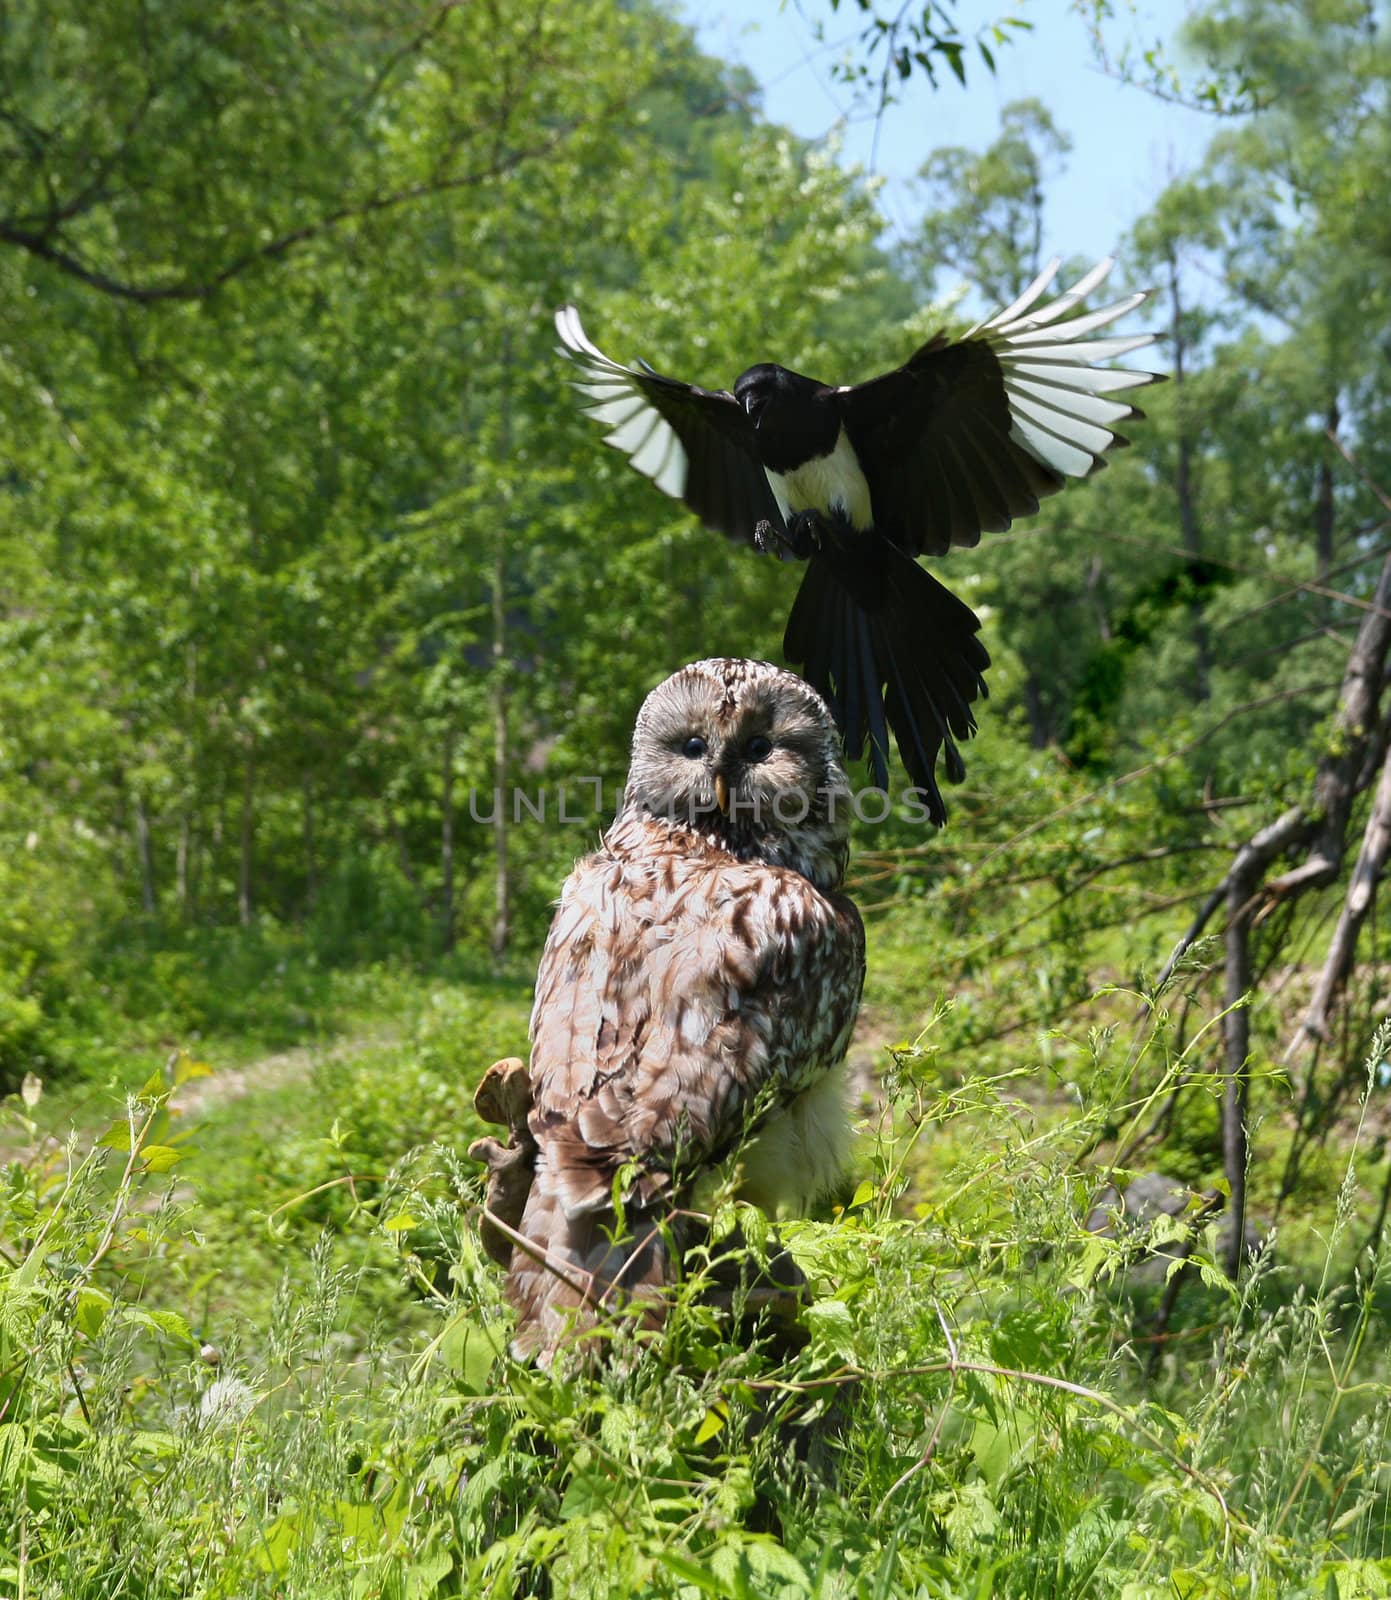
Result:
pixel 699 982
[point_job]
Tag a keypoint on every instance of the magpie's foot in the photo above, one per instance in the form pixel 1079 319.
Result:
pixel 804 535
pixel 799 542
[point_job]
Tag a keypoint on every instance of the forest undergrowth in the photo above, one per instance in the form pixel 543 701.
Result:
pixel 265 1356
pixel 309 559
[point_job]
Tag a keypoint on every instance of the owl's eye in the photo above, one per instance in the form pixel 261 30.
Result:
pixel 694 747
pixel 758 748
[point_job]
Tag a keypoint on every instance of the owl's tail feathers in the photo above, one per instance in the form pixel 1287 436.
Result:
pixel 575 1278
pixel 883 641
pixel 571 1269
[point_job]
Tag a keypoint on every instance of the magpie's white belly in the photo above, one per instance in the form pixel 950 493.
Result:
pixel 826 483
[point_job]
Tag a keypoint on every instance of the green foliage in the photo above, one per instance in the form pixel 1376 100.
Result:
pixel 969 1413
pixel 893 48
pixel 53 901
pixel 285 562
pixel 985 220
pixel 306 553
pixel 301 570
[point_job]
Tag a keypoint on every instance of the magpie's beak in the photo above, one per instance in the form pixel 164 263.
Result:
pixel 722 794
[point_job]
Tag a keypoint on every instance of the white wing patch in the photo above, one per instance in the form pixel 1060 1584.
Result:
pixel 639 429
pixel 1055 388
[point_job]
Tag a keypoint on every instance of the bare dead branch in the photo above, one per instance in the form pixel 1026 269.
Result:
pixel 1194 933
pixel 1342 948
pixel 1359 469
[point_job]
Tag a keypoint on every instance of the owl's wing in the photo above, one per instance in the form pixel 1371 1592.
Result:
pixel 676 989
pixel 680 996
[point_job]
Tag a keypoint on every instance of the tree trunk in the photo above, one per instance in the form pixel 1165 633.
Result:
pixel 1245 897
pixel 1353 752
pixel 182 847
pixel 144 852
pixel 1342 948
pixel 311 874
pixel 1323 499
pixel 1373 1244
pixel 447 845
pixel 1236 1033
pixel 184 860
pixel 502 879
pixel 1187 497
pixel 1039 732
pixel 1096 593
pixel 244 903
pixel 1320 827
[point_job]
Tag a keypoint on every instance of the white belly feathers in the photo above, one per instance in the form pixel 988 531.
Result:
pixel 825 483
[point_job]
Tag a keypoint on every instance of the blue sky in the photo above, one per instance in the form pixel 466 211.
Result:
pixel 1126 143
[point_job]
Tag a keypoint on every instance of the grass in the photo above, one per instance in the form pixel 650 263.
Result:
pixel 264 1356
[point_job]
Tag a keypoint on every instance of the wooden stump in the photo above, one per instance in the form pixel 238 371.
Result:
pixel 504 1098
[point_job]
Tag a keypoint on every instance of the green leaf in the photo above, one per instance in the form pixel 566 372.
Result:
pixel 91 1310
pixel 756 1566
pixel 586 1495
pixel 833 1328
pixel 168 1323
pixel 427 1572
pixel 186 1068
pixel 713 1421
pixel 278 1541
pixel 1098 1260
pixel 692 1572
pixel 152 1442
pixel 1025 1339
pixel 155 1087
pixel 116 1136
pixel 470 1347
pixel 160 1157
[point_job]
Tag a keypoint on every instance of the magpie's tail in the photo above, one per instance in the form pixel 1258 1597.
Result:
pixel 884 642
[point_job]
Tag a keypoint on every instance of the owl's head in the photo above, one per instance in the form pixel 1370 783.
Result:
pixel 747 756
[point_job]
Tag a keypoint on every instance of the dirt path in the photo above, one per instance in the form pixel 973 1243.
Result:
pixel 194 1100
pixel 198 1096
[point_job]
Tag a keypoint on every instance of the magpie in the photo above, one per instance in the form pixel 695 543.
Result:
pixel 860 479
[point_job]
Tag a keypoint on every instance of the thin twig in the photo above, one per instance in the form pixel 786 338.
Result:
pixel 936 1433
pixel 529 1247
pixel 851 1374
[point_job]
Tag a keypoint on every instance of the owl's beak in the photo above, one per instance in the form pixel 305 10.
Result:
pixel 722 793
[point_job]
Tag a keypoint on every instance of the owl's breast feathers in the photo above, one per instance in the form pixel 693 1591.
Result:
pixel 676 987
pixel 683 996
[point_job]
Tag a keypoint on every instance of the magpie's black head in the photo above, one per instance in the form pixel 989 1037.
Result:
pixel 795 419
pixel 765 382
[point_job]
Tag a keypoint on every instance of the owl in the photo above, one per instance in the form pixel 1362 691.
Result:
pixel 695 997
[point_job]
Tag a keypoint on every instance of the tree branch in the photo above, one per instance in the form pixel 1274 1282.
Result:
pixel 1342 948
pixel 38 244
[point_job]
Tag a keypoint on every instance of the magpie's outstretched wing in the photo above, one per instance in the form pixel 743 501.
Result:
pixel 696 445
pixel 966 436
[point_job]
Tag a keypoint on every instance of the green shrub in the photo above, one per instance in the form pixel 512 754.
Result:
pixel 23 1036
pixel 966 1411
